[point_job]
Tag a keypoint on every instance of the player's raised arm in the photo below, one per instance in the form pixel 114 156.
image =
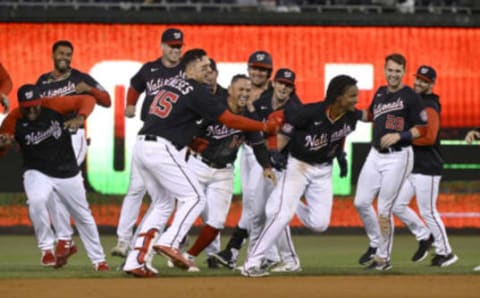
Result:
pixel 101 96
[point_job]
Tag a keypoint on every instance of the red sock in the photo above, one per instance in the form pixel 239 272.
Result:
pixel 207 235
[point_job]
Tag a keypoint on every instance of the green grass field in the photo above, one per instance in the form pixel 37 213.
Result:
pixel 319 254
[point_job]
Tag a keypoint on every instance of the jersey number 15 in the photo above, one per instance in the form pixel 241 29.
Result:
pixel 162 103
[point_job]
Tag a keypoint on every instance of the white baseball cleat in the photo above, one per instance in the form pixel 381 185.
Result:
pixel 191 259
pixel 477 268
pixel 287 267
pixel 120 250
pixel 254 272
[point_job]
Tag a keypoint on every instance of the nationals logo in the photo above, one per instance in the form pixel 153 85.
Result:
pixel 35 138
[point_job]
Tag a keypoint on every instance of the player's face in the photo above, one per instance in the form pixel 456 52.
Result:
pixel 394 73
pixel 258 75
pixel 349 99
pixel 240 92
pixel 281 91
pixel 172 53
pixel 211 77
pixel 31 113
pixel 199 69
pixel 422 87
pixel 62 57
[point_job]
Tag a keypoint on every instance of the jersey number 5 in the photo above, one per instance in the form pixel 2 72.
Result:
pixel 394 123
pixel 162 103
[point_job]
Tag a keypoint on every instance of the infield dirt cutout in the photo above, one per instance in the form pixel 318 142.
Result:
pixel 231 287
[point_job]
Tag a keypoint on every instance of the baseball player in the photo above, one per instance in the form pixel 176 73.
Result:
pixel 471 136
pixel 5 88
pixel 260 67
pixel 398 118
pixel 66 81
pixel 170 125
pixel 149 79
pixel 50 164
pixel 214 166
pixel 212 76
pixel 317 133
pixel 424 181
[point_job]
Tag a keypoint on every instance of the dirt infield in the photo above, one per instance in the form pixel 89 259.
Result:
pixel 232 287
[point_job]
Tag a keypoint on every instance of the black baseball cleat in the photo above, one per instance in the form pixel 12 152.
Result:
pixel 212 263
pixel 380 266
pixel 224 258
pixel 422 251
pixel 444 260
pixel 367 256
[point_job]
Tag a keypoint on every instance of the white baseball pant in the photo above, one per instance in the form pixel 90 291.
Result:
pixel 164 170
pixel 39 188
pixel 59 215
pixel 425 188
pixel 382 174
pixel 300 178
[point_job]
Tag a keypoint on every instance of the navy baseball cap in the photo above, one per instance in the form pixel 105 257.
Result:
pixel 172 36
pixel 286 76
pixel 28 96
pixel 426 73
pixel 260 59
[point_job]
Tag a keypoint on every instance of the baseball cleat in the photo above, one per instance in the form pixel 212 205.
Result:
pixel 380 266
pixel 268 264
pixel 224 258
pixel 254 272
pixel 48 258
pixel 120 250
pixel 101 267
pixel 444 260
pixel 367 256
pixel 191 259
pixel 175 255
pixel 422 251
pixel 477 268
pixel 63 250
pixel 142 272
pixel 287 267
pixel 212 263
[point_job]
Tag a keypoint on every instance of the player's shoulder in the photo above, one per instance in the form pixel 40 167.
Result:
pixel 43 79
pixel 431 100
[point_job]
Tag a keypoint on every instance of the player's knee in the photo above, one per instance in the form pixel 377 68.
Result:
pixel 361 204
pixel 320 225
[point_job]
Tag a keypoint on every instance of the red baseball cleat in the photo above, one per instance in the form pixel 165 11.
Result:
pixel 48 258
pixel 175 255
pixel 102 267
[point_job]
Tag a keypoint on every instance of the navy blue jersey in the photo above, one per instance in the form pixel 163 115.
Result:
pixel 223 142
pixel 428 160
pixel 395 112
pixel 264 105
pixel 46 145
pixel 150 78
pixel 49 86
pixel 316 138
pixel 178 108
pixel 221 92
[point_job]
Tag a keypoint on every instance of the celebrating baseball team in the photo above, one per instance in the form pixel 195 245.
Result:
pixel 183 158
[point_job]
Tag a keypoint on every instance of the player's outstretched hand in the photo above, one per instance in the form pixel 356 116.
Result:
pixel 343 164
pixel 472 136
pixel 130 111
pixel 82 87
pixel 74 123
pixel 389 139
pixel 268 173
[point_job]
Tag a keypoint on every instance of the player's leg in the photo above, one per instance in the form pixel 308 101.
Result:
pixel 395 168
pixel 129 213
pixel 286 249
pixel 228 256
pixel 219 196
pixel 368 185
pixel 38 188
pixel 72 193
pixel 412 221
pixel 426 189
pixel 281 207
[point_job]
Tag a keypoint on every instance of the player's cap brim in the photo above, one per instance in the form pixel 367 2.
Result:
pixel 174 43
pixel 260 65
pixel 285 81
pixel 427 79
pixel 30 103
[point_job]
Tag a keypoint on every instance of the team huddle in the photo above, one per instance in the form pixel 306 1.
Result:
pixel 183 159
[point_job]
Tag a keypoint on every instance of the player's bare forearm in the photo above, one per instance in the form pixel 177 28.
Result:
pixel 282 141
pixel 392 138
